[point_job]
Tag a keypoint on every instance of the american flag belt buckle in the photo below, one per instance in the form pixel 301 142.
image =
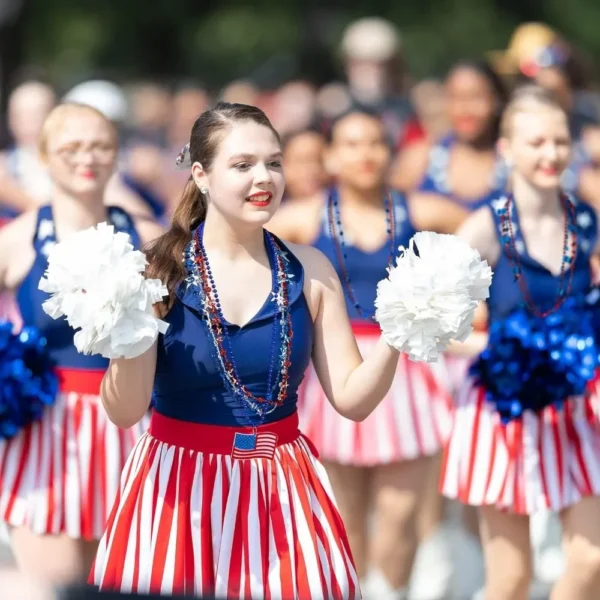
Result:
pixel 258 444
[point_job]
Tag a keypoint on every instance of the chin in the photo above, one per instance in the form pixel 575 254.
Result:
pixel 260 216
pixel 547 182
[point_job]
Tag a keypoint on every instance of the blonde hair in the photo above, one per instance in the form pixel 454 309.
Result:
pixel 60 114
pixel 524 99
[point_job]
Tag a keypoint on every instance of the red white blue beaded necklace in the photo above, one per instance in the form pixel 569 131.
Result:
pixel 568 259
pixel 279 359
pixel 337 234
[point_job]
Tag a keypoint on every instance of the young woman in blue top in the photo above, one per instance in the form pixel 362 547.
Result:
pixel 59 475
pixel 525 437
pixel 381 462
pixel 463 167
pixel 224 495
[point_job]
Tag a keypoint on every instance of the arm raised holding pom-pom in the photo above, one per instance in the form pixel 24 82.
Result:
pixel 353 385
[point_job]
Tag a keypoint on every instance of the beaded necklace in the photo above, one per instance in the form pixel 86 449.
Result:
pixel 568 259
pixel 337 234
pixel 279 359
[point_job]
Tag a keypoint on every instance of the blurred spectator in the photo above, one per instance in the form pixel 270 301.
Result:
pixel 241 91
pixel 149 113
pixel 376 72
pixel 292 107
pixel 189 101
pixel 332 100
pixel 429 101
pixel 305 173
pixel 23 179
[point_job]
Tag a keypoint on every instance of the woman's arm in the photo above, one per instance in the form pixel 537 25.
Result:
pixel 126 388
pixel 353 385
pixel 433 212
pixel 409 167
pixel 479 232
pixel 16 250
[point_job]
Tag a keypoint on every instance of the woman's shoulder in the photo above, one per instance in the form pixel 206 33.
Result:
pixel 298 219
pixel 21 227
pixel 317 267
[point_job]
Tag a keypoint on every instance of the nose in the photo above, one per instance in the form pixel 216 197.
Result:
pixel 262 175
pixel 85 157
pixel 551 151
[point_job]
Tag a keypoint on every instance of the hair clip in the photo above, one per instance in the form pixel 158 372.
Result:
pixel 184 160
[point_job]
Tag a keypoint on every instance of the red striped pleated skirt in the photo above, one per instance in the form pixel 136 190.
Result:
pixel 412 421
pixel 191 519
pixel 546 460
pixel 61 474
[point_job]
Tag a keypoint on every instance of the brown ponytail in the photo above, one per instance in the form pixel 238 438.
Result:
pixel 165 255
pixel 166 252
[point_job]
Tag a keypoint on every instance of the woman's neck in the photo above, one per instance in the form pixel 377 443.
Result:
pixel 233 241
pixel 75 214
pixel 534 202
pixel 485 142
pixel 350 196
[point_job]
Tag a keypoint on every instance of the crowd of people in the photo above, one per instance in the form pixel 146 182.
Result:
pixel 502 152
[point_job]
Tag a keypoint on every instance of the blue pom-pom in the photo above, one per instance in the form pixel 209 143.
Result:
pixel 533 362
pixel 28 382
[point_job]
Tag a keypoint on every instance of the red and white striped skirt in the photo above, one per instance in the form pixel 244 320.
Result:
pixel 190 519
pixel 61 474
pixel 413 420
pixel 543 461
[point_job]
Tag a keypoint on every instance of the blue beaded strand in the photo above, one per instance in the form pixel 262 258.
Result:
pixel 337 234
pixel 273 354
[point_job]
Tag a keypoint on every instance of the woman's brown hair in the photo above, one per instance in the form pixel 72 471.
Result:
pixel 165 254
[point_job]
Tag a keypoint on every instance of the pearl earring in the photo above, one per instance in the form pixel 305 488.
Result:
pixel 204 190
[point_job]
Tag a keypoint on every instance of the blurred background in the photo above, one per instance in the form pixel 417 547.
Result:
pixel 153 66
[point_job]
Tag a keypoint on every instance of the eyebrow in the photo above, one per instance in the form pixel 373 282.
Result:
pixel 246 156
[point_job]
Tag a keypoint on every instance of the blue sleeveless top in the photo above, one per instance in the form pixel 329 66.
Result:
pixel 59 333
pixel 533 361
pixel 505 294
pixel 365 269
pixel 436 177
pixel 188 384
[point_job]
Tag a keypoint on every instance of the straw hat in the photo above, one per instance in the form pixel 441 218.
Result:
pixel 527 43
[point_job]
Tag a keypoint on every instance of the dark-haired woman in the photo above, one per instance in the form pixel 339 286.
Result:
pixel 223 495
pixel 462 167
pixel 382 462
pixel 59 475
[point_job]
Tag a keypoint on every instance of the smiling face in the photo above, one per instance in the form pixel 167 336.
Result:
pixel 538 144
pixel 80 149
pixel 358 155
pixel 245 181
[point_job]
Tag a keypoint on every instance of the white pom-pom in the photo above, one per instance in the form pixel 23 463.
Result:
pixel 430 296
pixel 95 280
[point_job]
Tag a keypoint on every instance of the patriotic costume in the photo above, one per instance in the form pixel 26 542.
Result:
pixel 414 418
pixel 60 474
pixel 224 495
pixel 525 437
